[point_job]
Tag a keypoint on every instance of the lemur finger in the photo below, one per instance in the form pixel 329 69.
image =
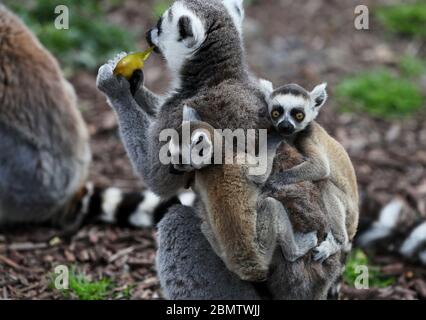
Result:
pixel 135 81
pixel 113 62
pixel 322 252
pixel 320 256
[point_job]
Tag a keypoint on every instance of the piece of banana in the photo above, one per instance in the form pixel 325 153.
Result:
pixel 132 62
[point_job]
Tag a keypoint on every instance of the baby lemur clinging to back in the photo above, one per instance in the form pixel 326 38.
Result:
pixel 292 110
pixel 242 224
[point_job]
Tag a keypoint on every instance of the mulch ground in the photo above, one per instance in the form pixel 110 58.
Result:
pixel 287 41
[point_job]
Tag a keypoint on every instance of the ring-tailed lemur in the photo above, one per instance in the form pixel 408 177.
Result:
pixel 44 142
pixel 203 48
pixel 293 111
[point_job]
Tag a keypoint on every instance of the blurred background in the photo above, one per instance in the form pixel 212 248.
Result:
pixel 376 109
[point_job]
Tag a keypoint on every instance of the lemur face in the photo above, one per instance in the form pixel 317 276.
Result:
pixel 181 31
pixel 197 151
pixel 292 108
pixel 178 34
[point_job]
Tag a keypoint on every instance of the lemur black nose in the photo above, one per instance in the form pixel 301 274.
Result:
pixel 149 38
pixel 150 43
pixel 285 127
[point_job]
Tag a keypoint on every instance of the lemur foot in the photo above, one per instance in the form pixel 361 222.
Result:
pixel 305 242
pixel 327 248
pixel 110 84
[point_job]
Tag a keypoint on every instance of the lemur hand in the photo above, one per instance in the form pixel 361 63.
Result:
pixel 112 86
pixel 326 248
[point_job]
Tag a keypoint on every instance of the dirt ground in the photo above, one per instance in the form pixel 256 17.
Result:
pixel 287 41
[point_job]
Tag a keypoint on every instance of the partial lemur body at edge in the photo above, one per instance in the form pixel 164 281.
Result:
pixel 45 152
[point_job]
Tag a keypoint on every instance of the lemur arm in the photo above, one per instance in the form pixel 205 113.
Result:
pixel 271 212
pixel 315 168
pixel 273 142
pixel 148 101
pixel 145 98
pixel 139 132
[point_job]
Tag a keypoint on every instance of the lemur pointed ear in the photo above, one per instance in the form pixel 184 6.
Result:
pixel 235 5
pixel 319 95
pixel 185 30
pixel 266 87
pixel 236 9
pixel 190 114
pixel 190 31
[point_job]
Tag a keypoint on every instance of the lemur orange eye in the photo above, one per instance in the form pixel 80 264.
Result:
pixel 275 114
pixel 299 116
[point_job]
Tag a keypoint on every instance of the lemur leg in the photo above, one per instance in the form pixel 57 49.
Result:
pixel 267 215
pixel 187 266
pixel 293 244
pixel 335 210
pixel 139 132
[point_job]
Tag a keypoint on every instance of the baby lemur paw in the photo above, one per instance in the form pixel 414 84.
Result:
pixel 322 252
pixel 108 83
pixel 326 249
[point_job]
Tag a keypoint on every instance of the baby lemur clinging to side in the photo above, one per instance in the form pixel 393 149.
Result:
pixel 292 110
pixel 242 223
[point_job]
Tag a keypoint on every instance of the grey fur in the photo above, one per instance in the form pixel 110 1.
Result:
pixel 187 266
pixel 293 89
pixel 44 142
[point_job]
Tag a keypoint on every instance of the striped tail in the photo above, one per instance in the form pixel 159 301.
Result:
pixel 126 209
pixel 399 229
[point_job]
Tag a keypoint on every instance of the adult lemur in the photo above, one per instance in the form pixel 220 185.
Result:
pixel 202 44
pixel 45 153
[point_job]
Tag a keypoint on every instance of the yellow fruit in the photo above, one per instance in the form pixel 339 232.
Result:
pixel 132 62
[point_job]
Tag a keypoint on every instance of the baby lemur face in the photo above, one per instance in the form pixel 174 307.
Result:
pixel 196 150
pixel 292 108
pixel 181 30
